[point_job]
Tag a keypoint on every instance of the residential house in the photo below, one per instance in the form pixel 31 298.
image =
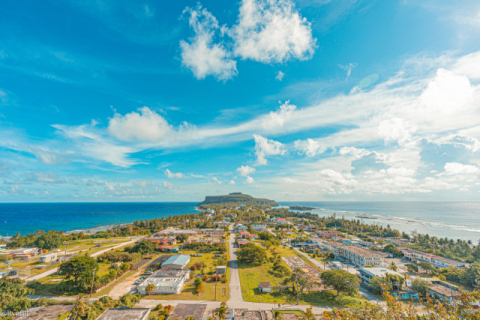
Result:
pixel 272 219
pixel 443 293
pixel 44 312
pixel 281 221
pixel 48 258
pixel 265 287
pixel 239 228
pixel 441 262
pixel 259 226
pixel 183 311
pixel 327 234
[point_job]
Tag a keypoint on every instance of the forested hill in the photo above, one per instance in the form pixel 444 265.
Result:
pixel 237 199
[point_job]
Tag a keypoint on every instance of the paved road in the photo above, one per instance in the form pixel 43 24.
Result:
pixel 54 270
pixel 235 287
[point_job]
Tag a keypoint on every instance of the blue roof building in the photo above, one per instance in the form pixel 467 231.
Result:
pixel 178 261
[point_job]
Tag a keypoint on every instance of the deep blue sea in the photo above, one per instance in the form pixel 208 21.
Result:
pixel 26 218
pixel 456 220
pixel 442 219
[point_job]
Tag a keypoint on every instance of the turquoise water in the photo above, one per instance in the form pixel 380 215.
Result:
pixel 455 220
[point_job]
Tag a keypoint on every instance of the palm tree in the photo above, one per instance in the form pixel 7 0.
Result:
pixel 393 266
pixel 81 305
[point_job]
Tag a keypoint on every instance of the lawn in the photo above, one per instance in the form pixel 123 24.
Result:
pixel 188 292
pixel 252 275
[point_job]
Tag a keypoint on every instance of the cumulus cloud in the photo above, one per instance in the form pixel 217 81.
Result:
pixel 245 170
pixel 266 147
pixel 214 179
pixel 249 180
pixel 144 125
pixel 172 175
pixel 395 129
pixel 309 147
pixel 232 182
pixel 200 54
pixel 47 177
pixel 454 168
pixel 271 31
pixel 276 120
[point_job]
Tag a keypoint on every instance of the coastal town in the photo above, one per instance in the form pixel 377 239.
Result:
pixel 237 259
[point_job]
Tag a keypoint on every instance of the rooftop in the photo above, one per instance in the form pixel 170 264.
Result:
pixel 47 312
pixel 124 313
pixel 183 311
pixel 265 284
pixel 443 290
pixel 180 260
pixel 169 272
pixel 378 272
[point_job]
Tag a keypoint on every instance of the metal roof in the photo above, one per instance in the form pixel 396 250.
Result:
pixel 180 260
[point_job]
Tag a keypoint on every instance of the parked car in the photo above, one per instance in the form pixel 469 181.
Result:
pixel 148 272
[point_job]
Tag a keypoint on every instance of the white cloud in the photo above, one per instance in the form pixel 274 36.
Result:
pixel 48 177
pixel 216 180
pixel 249 180
pixel 271 31
pixel 280 76
pixel 172 175
pixel 245 170
pixel 266 147
pixel 232 182
pixel 201 55
pixel 395 129
pixel 357 153
pixel 276 120
pixel 454 168
pixel 144 126
pixel 309 147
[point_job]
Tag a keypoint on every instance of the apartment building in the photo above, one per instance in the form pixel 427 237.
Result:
pixel 327 234
pixel 360 257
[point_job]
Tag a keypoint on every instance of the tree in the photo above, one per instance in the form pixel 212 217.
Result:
pixel 420 285
pixel 341 281
pixel 150 287
pixel 390 248
pixel 442 277
pixel 200 288
pixel 393 266
pixel 252 254
pixel 143 247
pixel 412 267
pixel 377 284
pixel 125 266
pixel 470 275
pixel 309 315
pixel 50 240
pixel 78 272
pixel 81 305
pixel 182 237
pixel 426 266
pixel 222 311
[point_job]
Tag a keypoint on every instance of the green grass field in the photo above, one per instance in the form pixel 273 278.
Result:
pixel 252 275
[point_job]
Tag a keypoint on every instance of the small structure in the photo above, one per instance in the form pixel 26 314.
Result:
pixel 265 287
pixel 183 311
pixel 242 242
pixel 221 269
pixel 168 280
pixel 167 249
pixel 281 221
pixel 406 294
pixel 44 312
pixel 125 313
pixel 259 226
pixel 48 258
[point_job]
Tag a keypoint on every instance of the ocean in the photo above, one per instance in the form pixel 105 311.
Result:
pixel 454 220
pixel 27 218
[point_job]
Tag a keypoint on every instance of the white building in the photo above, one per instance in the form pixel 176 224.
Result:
pixel 48 258
pixel 168 280
pixel 259 226
pixel 366 274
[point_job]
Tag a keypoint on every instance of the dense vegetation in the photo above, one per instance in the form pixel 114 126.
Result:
pixel 239 199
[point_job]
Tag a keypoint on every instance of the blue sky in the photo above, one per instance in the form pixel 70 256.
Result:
pixel 290 100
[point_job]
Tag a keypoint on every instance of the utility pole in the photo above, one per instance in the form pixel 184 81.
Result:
pixel 65 257
pixel 296 280
pixel 91 289
pixel 216 278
